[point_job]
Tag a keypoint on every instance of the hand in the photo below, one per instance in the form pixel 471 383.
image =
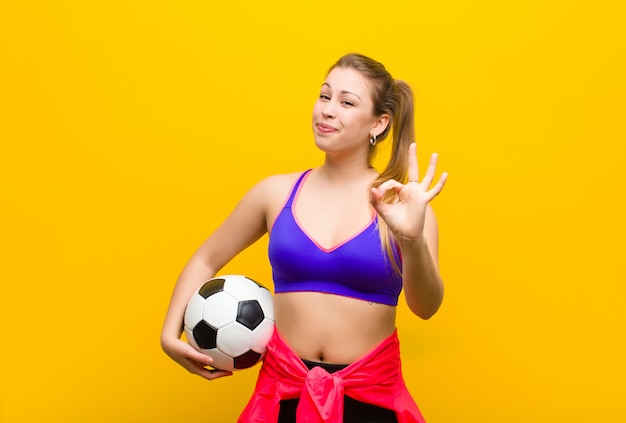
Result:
pixel 195 362
pixel 407 214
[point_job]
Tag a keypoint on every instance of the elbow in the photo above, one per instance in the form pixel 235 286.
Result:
pixel 425 313
pixel 426 309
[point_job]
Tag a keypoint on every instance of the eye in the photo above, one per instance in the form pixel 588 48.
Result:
pixel 348 103
pixel 324 97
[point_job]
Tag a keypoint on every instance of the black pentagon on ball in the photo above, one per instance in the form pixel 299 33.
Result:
pixel 210 287
pixel 247 359
pixel 205 335
pixel 250 314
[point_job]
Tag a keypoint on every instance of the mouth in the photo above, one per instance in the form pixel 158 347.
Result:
pixel 326 129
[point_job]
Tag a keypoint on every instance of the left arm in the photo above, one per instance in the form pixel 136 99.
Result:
pixel 412 221
pixel 423 286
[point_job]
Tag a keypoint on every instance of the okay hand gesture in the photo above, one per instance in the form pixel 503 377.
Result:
pixel 406 215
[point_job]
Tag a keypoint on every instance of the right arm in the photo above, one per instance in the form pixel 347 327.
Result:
pixel 246 224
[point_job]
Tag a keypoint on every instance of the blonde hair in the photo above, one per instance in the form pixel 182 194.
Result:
pixel 394 98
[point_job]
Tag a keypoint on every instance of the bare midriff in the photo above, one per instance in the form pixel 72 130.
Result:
pixel 330 328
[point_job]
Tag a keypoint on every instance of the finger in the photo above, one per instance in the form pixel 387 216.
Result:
pixel 200 368
pixel 436 189
pixel 413 169
pixel 215 373
pixel 390 185
pixel 376 199
pixel 198 357
pixel 377 194
pixel 430 172
pixel 211 374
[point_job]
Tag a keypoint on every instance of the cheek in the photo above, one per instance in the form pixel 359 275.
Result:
pixel 365 127
pixel 362 122
pixel 317 108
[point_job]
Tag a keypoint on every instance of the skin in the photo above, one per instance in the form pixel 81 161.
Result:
pixel 324 327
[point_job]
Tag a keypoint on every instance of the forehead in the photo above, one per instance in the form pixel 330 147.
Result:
pixel 347 79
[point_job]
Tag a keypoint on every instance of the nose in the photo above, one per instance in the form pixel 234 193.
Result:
pixel 328 111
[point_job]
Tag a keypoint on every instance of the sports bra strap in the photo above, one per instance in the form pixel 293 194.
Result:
pixel 294 190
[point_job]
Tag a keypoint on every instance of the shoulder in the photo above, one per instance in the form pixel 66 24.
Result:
pixel 276 184
pixel 269 195
pixel 274 188
pixel 261 202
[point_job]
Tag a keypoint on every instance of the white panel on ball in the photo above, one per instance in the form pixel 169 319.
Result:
pixel 234 339
pixel 220 360
pixel 242 288
pixel 219 310
pixel 261 336
pixel 193 313
pixel 190 339
pixel 267 303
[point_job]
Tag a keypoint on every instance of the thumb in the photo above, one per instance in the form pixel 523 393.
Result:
pixel 376 199
pixel 199 357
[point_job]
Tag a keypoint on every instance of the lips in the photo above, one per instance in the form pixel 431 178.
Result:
pixel 326 129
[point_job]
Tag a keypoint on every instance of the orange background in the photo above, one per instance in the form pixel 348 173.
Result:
pixel 130 129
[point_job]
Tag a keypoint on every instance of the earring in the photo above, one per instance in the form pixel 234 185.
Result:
pixel 373 140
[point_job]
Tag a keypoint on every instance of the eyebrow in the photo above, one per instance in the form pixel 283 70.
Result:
pixel 342 91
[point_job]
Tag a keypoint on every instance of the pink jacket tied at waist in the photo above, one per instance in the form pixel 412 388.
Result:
pixel 375 379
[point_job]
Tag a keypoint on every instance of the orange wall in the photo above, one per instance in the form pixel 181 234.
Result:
pixel 130 129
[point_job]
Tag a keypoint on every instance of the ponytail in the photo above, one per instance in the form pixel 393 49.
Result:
pixel 394 98
pixel 403 134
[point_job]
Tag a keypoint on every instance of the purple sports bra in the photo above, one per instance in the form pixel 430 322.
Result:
pixel 357 268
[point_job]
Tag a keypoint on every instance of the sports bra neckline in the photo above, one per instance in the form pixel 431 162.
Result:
pixel 291 205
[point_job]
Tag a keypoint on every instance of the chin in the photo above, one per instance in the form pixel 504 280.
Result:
pixel 326 144
pixel 321 145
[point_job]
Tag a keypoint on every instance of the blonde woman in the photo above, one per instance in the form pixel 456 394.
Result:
pixel 344 242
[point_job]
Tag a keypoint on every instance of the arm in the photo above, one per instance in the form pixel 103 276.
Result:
pixel 423 287
pixel 412 222
pixel 245 225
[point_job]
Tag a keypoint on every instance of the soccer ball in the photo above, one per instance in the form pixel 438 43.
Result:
pixel 231 319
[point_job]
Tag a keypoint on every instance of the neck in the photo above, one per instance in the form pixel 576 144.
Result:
pixel 346 170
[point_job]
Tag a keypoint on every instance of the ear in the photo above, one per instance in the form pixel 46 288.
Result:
pixel 380 124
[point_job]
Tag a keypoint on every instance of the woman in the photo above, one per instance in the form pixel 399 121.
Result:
pixel 344 241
